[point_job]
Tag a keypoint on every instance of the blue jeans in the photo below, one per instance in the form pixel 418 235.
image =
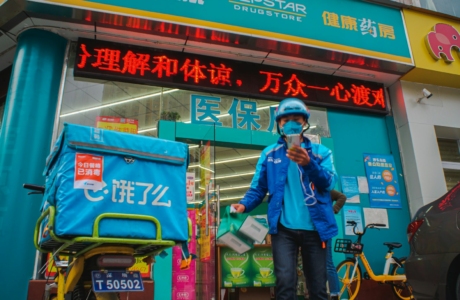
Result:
pixel 332 277
pixel 285 246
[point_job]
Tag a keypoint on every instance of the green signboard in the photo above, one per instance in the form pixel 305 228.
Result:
pixel 250 269
pixel 351 26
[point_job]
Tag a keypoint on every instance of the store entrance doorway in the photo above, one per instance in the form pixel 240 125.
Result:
pixel 222 164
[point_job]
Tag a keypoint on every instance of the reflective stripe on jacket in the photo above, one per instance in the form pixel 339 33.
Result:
pixel 270 176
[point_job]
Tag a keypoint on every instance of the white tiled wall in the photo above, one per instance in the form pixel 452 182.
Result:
pixel 415 125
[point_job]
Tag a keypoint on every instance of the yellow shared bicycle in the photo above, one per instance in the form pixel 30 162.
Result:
pixel 350 274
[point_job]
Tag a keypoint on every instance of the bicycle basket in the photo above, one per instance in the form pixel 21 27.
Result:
pixel 347 246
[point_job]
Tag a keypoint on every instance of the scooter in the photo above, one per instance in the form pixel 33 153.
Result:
pixel 96 267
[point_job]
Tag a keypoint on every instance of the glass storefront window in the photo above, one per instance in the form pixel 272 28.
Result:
pixel 449 149
pixel 233 170
pixel 452 178
pixel 84 100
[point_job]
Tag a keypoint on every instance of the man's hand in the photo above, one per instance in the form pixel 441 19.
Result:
pixel 240 208
pixel 336 209
pixel 298 155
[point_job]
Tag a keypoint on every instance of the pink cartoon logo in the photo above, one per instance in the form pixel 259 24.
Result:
pixel 442 40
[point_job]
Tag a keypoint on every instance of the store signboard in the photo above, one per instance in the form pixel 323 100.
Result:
pixel 383 181
pixel 443 41
pixel 117 124
pixel 253 268
pixel 338 25
pixel 434 43
pixel 112 61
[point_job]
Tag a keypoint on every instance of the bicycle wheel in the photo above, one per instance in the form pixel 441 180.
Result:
pixel 401 289
pixel 349 287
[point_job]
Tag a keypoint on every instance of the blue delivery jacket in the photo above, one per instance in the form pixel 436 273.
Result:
pixel 270 176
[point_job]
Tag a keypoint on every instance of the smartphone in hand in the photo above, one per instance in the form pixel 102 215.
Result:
pixel 293 140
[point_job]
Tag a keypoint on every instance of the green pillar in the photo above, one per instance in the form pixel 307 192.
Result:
pixel 162 269
pixel 25 139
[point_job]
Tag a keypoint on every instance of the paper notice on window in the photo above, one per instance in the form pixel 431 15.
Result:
pixel 352 213
pixel 190 184
pixel 362 184
pixel 350 188
pixel 376 215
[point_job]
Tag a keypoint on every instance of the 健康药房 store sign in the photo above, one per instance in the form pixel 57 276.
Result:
pixel 347 26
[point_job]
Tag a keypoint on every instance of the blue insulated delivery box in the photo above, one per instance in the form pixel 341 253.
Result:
pixel 93 171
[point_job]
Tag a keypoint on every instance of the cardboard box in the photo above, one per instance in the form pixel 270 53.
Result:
pixel 236 242
pixel 228 234
pixel 241 231
pixel 253 229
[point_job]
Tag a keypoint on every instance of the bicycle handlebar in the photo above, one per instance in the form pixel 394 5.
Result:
pixel 33 187
pixel 360 234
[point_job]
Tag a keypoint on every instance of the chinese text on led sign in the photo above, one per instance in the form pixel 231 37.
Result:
pixel 104 60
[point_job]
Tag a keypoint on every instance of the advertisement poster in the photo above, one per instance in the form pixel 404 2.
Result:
pixel 184 281
pixel 350 188
pixel 383 181
pixel 250 269
pixel 117 124
pixel 205 167
pixel 190 182
pixel 352 213
pixel 205 240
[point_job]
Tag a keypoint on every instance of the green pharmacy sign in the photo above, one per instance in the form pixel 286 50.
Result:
pixel 350 26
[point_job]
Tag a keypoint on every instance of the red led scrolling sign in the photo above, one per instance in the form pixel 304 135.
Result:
pixel 111 61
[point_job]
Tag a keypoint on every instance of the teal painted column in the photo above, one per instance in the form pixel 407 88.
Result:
pixel 25 139
pixel 162 269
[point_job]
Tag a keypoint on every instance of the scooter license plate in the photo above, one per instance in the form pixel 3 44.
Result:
pixel 117 281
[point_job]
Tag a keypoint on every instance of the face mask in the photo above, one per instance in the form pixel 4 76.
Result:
pixel 292 127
